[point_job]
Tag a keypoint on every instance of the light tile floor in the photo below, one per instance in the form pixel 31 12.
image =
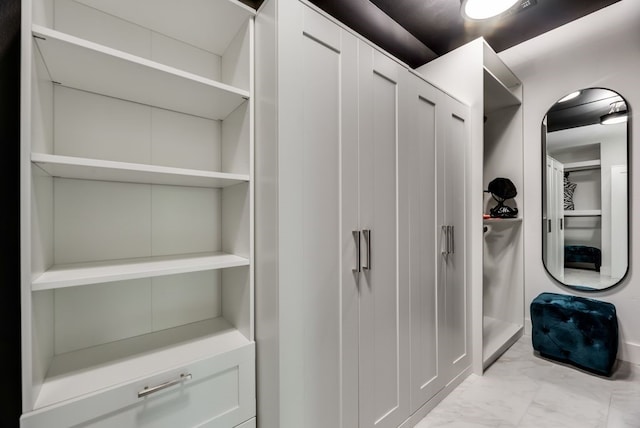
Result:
pixel 525 391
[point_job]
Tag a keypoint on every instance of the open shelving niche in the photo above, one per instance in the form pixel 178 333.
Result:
pixel 503 286
pixel 141 232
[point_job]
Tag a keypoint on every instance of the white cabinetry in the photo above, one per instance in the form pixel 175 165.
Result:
pixel 337 132
pixel 440 339
pixel 137 207
pixel 383 284
pixel 553 218
pixel 475 75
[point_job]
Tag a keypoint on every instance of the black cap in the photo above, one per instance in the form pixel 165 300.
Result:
pixel 502 188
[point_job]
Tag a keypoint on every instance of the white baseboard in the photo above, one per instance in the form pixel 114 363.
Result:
pixel 629 352
pixel 431 404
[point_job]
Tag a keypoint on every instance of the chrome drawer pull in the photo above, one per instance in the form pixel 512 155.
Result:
pixel 150 390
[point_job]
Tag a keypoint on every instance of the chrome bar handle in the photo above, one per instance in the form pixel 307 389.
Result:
pixel 356 236
pixel 367 241
pixel 445 231
pixel 453 242
pixel 150 390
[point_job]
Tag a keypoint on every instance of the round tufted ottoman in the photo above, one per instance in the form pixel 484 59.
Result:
pixel 575 330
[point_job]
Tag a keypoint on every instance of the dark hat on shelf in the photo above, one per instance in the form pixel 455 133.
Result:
pixel 502 188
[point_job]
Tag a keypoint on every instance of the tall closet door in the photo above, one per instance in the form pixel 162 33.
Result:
pixel 554 227
pixel 427 299
pixel 384 298
pixel 452 202
pixel 326 329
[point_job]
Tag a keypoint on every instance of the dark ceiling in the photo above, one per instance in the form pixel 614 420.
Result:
pixel 586 109
pixel 417 31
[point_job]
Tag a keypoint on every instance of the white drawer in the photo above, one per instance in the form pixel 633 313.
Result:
pixel 219 394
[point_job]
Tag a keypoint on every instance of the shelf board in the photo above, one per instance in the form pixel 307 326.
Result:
pixel 94 169
pixel 501 220
pixel 496 95
pixel 581 166
pixel 208 25
pixel 88 370
pixel 77 274
pixel 497 337
pixel 497 68
pixel 91 67
pixel 582 213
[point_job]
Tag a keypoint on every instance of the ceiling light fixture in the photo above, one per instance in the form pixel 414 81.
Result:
pixel 478 10
pixel 569 97
pixel 617 114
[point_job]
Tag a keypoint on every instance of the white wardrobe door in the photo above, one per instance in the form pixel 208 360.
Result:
pixel 329 214
pixel 384 307
pixel 455 329
pixel 426 298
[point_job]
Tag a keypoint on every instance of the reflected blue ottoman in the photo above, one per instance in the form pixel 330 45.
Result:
pixel 575 330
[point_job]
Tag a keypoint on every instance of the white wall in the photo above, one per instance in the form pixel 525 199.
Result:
pixel 599 50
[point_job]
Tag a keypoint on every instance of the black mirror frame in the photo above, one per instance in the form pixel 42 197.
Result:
pixel 543 127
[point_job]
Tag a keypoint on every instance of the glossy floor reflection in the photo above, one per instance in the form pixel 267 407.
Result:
pixel 588 278
pixel 526 391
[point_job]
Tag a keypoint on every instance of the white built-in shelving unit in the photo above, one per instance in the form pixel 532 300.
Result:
pixel 137 200
pixel 503 284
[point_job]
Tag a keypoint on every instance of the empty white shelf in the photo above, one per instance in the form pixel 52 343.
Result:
pixel 582 213
pixel 497 337
pixel 76 373
pixel 76 274
pixel 497 96
pixel 209 25
pixel 583 165
pixel 502 220
pixel 80 64
pixel 94 169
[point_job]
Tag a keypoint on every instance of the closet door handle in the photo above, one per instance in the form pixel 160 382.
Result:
pixel 445 232
pixel 367 242
pixel 561 224
pixel 150 390
pixel 356 236
pixel 452 248
pixel 549 226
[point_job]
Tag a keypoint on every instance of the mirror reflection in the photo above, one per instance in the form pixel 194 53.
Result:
pixel 585 189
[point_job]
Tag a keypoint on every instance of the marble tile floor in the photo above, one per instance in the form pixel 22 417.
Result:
pixel 526 391
pixel 589 278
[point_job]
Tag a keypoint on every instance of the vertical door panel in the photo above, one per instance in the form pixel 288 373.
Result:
pixel 326 75
pixel 384 298
pixel 455 293
pixel 426 380
pixel 549 249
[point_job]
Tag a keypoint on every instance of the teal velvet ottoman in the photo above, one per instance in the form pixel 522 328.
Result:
pixel 575 330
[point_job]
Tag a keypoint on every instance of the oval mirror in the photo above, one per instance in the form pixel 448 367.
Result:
pixel 585 189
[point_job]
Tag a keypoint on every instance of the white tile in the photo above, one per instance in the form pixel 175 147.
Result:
pixel 525 391
pixel 625 410
pixel 562 406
